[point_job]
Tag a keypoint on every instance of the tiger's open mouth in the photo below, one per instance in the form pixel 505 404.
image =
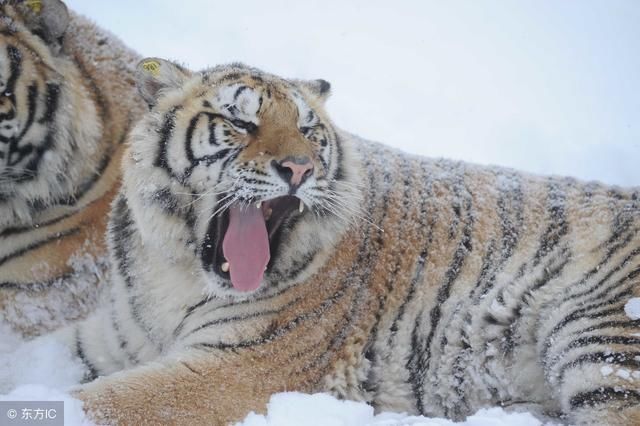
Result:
pixel 242 243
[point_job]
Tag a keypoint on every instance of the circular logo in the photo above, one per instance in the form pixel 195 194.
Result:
pixel 12 414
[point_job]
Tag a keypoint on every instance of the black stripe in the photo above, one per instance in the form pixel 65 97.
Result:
pixel 32 97
pixel 38 244
pixel 100 100
pixel 226 162
pixel 188 312
pixel 121 229
pixel 7 232
pixel 624 324
pixel 15 68
pixel 188 148
pixel 38 286
pixel 239 318
pixel 166 131
pixel 239 92
pixel 605 395
pixel 48 143
pixel 167 201
pixel 51 103
pixel 338 175
pixel 558 225
pixel 92 372
pixel 621 359
pixel 603 340
pixel 234 75
pixel 256 181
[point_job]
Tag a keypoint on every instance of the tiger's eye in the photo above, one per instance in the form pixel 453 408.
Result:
pixel 305 129
pixel 245 125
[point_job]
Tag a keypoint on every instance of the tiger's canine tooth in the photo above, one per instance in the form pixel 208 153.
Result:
pixel 301 206
pixel 259 204
pixel 225 267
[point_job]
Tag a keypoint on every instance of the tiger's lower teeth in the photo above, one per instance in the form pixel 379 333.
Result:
pixel 267 215
pixel 225 267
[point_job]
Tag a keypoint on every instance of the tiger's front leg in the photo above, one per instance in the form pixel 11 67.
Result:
pixel 195 387
pixel 189 390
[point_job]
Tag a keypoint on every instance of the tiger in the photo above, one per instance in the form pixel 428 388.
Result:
pixel 257 248
pixel 67 100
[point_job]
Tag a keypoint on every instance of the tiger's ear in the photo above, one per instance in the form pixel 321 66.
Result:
pixel 319 88
pixel 47 18
pixel 153 75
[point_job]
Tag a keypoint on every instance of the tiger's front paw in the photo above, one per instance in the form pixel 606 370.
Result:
pixel 110 402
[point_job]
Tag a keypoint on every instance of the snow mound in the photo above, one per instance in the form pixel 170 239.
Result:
pixel 73 413
pixel 294 409
pixel 632 308
pixel 39 370
pixel 41 361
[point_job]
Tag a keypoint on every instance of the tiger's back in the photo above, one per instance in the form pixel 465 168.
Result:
pixel 495 287
pixel 70 102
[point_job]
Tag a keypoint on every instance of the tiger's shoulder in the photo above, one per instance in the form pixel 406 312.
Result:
pixel 66 105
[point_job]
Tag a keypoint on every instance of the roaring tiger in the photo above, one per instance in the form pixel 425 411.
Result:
pixel 67 98
pixel 257 248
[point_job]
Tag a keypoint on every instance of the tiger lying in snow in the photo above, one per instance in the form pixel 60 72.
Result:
pixel 67 98
pixel 256 248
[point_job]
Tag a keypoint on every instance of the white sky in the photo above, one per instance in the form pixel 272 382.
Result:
pixel 545 86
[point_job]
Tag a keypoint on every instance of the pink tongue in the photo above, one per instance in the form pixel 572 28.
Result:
pixel 246 247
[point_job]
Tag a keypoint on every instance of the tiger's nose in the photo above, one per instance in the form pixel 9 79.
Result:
pixel 294 170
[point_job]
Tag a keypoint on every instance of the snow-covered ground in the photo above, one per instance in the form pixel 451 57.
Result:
pixel 295 409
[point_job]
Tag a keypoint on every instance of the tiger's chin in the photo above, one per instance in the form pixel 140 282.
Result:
pixel 243 244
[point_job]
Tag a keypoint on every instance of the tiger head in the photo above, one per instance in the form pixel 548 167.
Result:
pixel 41 97
pixel 240 173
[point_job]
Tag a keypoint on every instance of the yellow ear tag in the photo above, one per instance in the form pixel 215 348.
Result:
pixel 152 67
pixel 34 5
